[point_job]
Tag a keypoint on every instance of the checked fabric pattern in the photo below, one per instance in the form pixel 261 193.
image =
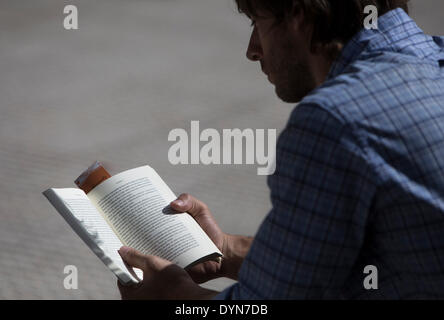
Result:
pixel 359 178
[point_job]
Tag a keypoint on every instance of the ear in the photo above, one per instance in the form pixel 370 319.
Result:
pixel 297 15
pixel 299 24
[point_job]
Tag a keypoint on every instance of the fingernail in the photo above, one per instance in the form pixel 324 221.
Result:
pixel 123 251
pixel 179 202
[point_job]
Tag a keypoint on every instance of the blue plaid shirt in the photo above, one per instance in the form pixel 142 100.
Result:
pixel 359 178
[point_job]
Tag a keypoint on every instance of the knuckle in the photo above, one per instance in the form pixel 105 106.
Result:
pixel 146 264
pixel 131 252
pixel 185 197
pixel 204 207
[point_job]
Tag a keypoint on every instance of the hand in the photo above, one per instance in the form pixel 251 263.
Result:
pixel 161 279
pixel 199 211
pixel 234 248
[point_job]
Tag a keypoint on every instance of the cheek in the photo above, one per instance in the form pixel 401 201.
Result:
pixel 277 58
pixel 273 45
pixel 270 51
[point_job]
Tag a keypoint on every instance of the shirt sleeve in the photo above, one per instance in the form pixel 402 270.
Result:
pixel 321 195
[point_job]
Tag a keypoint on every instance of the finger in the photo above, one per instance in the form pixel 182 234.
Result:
pixel 187 203
pixel 133 257
pixel 122 289
pixel 126 291
pixel 130 285
pixel 155 263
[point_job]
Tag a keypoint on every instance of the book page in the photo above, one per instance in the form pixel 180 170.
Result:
pixel 135 203
pixel 76 208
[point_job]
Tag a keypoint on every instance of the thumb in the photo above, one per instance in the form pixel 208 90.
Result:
pixel 187 203
pixel 133 257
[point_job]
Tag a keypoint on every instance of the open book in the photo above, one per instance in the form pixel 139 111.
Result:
pixel 132 209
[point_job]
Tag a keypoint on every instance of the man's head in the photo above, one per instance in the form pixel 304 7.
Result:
pixel 296 41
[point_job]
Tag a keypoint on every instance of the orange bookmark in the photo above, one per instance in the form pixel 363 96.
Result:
pixel 92 177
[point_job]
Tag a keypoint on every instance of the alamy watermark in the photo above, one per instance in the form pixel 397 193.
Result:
pixel 219 149
pixel 71 20
pixel 232 146
pixel 371 281
pixel 371 20
pixel 71 281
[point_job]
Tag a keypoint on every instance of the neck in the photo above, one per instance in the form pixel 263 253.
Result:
pixel 322 61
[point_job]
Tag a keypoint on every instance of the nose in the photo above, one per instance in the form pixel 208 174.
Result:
pixel 254 51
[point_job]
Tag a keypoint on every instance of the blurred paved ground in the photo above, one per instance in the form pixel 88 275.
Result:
pixel 112 91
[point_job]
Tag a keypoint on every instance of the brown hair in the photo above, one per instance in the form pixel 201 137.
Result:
pixel 333 20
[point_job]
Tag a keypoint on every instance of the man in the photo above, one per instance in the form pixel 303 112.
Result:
pixel 360 166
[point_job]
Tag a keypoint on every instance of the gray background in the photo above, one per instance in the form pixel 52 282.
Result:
pixel 112 91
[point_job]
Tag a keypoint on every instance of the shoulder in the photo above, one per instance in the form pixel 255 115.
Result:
pixel 318 137
pixel 354 94
pixel 378 83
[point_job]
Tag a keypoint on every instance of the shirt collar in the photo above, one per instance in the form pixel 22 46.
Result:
pixel 393 28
